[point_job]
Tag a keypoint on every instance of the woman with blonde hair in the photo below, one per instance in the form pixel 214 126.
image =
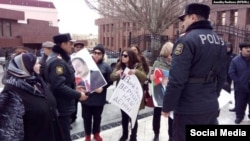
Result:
pixel 162 62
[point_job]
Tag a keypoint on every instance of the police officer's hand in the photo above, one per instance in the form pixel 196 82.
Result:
pixel 80 88
pixel 83 96
pixel 165 114
pixel 99 90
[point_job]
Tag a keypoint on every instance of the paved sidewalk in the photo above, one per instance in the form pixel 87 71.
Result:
pixel 145 132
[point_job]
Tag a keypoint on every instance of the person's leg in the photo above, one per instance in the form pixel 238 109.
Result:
pixel 133 136
pixel 248 101
pixel 125 121
pixel 180 122
pixel 74 115
pixel 65 124
pixel 97 117
pixel 87 118
pixel 156 122
pixel 170 128
pixel 241 104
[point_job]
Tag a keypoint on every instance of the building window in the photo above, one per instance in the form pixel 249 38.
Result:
pixel 112 28
pixel 107 27
pixel 223 18
pixel 128 25
pixel 7 29
pixel 104 41
pixel 107 41
pixel 134 26
pixel 50 23
pixel 1 29
pixel 124 41
pixel 112 41
pixel 124 26
pixel 248 17
pixel 234 17
pixel 103 28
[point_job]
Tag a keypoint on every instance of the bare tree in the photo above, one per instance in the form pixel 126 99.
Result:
pixel 152 15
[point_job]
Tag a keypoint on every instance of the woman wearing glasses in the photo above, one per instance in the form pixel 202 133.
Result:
pixel 92 108
pixel 128 59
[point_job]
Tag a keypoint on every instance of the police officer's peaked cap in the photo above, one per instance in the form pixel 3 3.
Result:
pixel 245 44
pixel 196 8
pixel 60 38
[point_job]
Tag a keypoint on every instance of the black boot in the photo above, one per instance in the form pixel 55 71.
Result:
pixel 156 137
pixel 132 138
pixel 123 137
pixel 125 121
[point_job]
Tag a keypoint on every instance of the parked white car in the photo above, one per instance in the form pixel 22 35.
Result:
pixel 111 61
pixel 2 60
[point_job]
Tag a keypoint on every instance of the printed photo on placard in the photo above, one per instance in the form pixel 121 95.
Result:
pixel 87 74
pixel 159 83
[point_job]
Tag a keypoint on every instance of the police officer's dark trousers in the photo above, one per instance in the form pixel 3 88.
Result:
pixel 89 113
pixel 74 115
pixel 65 123
pixel 181 120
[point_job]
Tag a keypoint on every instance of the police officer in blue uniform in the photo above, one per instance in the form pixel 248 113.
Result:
pixel 59 75
pixel 197 73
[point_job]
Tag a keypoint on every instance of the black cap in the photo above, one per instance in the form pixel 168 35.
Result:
pixel 60 38
pixel 196 8
pixel 99 47
pixel 79 43
pixel 245 44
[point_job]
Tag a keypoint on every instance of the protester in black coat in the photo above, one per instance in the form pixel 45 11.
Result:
pixel 92 108
pixel 27 107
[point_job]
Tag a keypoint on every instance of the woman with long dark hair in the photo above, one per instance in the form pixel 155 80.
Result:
pixel 128 59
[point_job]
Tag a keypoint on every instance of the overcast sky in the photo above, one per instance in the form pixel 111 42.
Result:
pixel 75 17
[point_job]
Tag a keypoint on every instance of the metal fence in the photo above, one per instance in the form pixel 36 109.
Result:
pixel 232 34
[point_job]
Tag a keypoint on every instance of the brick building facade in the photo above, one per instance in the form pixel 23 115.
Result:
pixel 31 34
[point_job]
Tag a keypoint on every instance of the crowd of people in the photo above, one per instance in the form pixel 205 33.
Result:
pixel 39 99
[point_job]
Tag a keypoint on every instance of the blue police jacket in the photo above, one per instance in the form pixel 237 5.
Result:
pixel 195 54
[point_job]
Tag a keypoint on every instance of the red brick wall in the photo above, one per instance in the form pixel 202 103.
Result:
pixel 34 32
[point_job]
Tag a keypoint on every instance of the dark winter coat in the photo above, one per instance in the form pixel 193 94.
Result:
pixel 60 78
pixel 196 54
pixel 27 109
pixel 99 99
